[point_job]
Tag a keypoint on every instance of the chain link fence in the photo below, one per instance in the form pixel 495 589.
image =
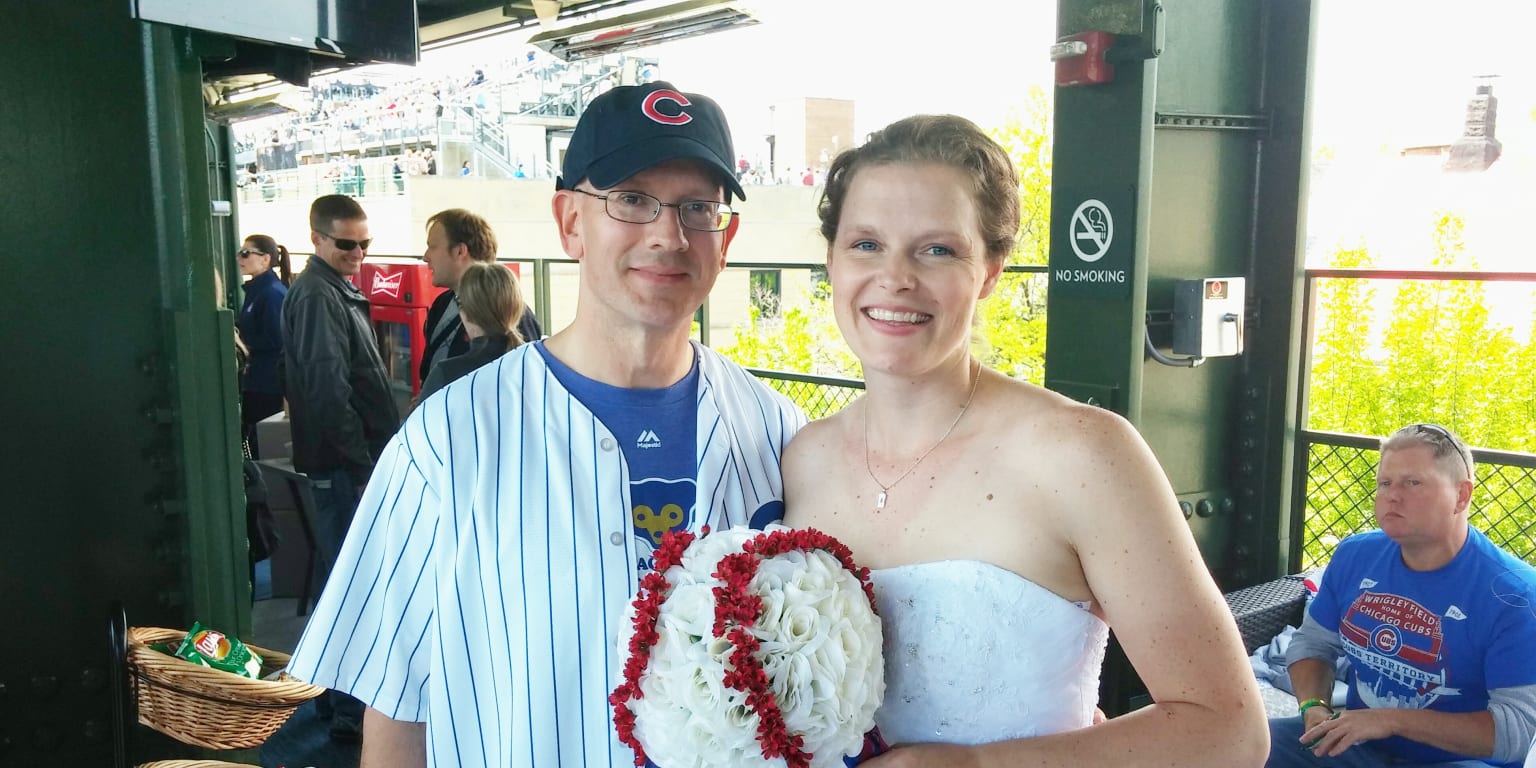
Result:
pixel 1341 492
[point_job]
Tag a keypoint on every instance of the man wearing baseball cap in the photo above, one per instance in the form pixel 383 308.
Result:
pixel 481 591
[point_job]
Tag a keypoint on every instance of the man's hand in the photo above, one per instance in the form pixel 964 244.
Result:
pixel 1337 733
pixel 1315 715
pixel 926 756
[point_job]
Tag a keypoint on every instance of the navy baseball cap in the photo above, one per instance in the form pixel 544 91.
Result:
pixel 634 127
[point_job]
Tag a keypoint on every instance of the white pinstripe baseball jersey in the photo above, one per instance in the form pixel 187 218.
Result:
pixel 491 558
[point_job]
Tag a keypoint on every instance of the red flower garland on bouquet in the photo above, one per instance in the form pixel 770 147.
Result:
pixel 736 611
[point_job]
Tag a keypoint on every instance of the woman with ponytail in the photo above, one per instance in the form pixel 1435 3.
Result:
pixel 490 303
pixel 261 327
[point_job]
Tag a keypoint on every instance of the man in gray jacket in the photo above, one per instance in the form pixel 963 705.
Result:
pixel 338 395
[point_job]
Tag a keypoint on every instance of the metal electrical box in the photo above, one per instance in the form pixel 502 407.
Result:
pixel 1208 317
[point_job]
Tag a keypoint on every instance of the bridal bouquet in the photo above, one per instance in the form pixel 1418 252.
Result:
pixel 750 648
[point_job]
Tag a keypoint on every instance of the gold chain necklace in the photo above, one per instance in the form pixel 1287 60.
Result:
pixel 886 487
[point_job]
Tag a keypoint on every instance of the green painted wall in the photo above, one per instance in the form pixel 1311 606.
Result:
pixel 120 396
pixel 1197 153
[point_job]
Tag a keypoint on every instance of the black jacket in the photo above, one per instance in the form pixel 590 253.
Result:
pixel 453 333
pixel 481 351
pixel 339 397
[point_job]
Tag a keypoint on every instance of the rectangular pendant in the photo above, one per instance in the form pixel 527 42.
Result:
pixel 880 501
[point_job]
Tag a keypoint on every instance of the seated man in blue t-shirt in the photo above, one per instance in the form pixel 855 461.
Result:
pixel 1438 624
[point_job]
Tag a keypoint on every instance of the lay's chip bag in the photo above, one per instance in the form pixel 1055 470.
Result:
pixel 212 648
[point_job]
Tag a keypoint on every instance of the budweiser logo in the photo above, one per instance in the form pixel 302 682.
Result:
pixel 387 285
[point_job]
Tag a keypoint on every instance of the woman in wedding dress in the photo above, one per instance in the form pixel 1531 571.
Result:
pixel 1008 527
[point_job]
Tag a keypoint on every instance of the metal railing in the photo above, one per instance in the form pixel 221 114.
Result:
pixel 818 396
pixel 1337 470
pixel 1341 490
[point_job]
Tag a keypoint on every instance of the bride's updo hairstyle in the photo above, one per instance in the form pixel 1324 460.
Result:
pixel 940 140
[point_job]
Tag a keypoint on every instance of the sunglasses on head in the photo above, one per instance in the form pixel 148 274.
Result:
pixel 1441 433
pixel 244 252
pixel 345 244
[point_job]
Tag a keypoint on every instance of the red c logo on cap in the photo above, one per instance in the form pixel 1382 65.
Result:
pixel 649 107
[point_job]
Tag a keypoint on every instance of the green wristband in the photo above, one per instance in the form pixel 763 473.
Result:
pixel 1310 703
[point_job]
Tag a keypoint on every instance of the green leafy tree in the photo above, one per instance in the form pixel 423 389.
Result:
pixel 1010 330
pixel 1437 357
pixel 1010 334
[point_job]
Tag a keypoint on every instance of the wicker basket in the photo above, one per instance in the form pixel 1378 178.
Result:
pixel 1262 610
pixel 210 707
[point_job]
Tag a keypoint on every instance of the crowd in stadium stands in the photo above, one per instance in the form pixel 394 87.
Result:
pixel 396 123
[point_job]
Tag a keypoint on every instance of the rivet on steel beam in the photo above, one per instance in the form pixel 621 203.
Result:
pixel 1205 508
pixel 44 685
pixel 91 679
pixel 92 731
pixel 1187 508
pixel 160 415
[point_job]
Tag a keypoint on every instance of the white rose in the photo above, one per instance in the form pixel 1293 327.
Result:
pixel 819 646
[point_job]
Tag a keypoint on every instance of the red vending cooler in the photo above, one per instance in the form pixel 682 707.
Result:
pixel 400 291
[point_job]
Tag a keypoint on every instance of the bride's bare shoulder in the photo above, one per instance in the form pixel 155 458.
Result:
pixel 1061 422
pixel 815 443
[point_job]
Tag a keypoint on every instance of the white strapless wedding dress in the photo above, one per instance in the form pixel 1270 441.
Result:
pixel 975 653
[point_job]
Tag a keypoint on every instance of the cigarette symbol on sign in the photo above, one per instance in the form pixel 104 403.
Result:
pixel 1092 230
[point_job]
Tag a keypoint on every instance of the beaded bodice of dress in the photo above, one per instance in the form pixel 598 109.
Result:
pixel 975 653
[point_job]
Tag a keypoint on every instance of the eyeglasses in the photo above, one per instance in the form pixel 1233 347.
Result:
pixel 640 208
pixel 244 252
pixel 1439 434
pixel 345 244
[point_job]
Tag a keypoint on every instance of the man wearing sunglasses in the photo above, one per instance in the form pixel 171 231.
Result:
pixel 339 400
pixel 504 533
pixel 1437 622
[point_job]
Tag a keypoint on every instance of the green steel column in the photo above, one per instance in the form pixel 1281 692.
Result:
pixel 1274 380
pixel 1184 167
pixel 1100 201
pixel 1101 169
pixel 120 475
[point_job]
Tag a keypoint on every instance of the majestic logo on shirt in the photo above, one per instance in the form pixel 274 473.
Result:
pixel 387 285
pixel 1397 644
pixel 648 439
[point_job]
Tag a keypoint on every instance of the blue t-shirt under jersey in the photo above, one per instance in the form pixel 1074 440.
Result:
pixel 657 430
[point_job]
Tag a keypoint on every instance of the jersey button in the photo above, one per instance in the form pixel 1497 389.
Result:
pixel 616 537
pixel 606 444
